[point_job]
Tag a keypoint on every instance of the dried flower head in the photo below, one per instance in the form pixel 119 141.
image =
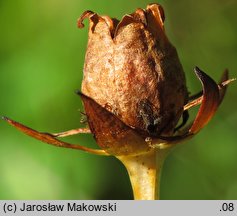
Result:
pixel 134 93
pixel 134 88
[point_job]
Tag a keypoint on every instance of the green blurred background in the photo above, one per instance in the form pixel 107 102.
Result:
pixel 41 62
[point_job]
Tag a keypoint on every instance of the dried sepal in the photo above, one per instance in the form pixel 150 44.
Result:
pixel 110 132
pixel 196 99
pixel 210 100
pixel 50 138
pixel 209 104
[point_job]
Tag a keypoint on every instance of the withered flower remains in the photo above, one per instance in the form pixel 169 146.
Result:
pixel 134 94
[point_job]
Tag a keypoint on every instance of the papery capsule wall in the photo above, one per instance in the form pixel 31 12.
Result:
pixel 132 69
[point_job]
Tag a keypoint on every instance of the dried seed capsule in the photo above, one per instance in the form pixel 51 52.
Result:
pixel 132 66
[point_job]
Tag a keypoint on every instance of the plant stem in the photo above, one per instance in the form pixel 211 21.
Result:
pixel 144 171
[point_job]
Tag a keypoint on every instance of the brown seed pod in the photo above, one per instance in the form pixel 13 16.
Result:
pixel 132 67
